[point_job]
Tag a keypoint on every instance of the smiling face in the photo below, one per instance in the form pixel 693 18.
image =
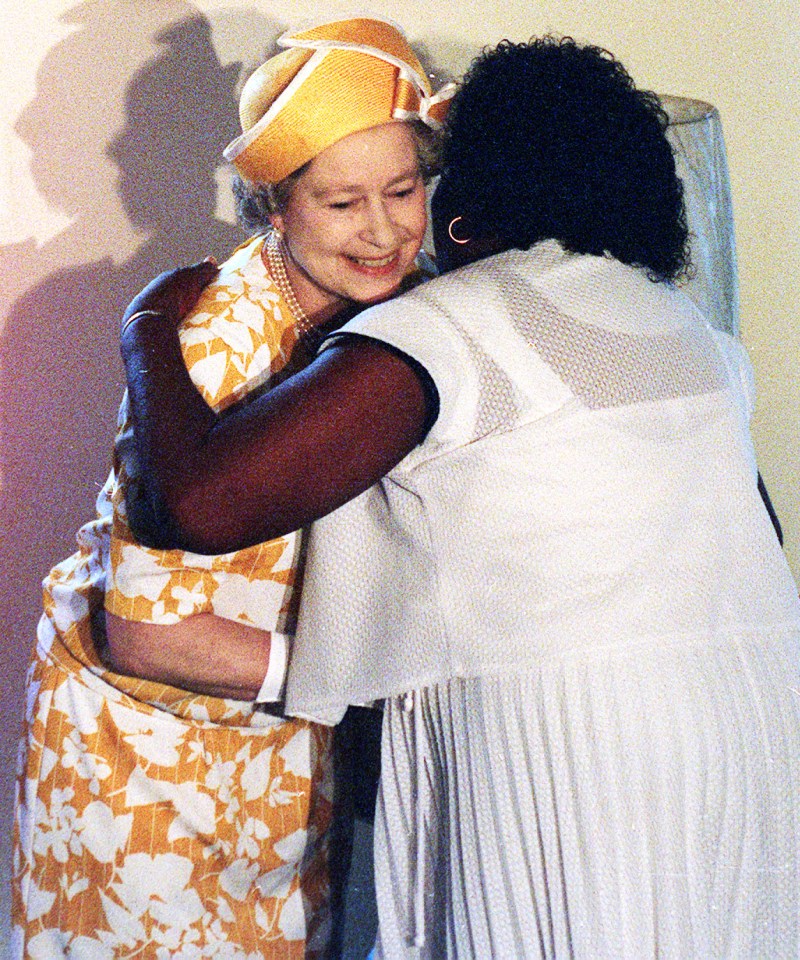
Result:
pixel 354 220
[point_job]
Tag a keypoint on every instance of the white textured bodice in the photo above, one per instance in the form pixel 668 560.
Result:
pixel 590 481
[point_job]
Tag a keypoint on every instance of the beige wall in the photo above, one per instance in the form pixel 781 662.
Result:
pixel 99 190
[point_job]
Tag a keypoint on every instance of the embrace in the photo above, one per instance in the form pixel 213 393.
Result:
pixel 532 534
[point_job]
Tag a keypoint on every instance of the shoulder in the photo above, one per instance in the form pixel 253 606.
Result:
pixel 452 320
pixel 242 297
pixel 243 274
pixel 739 365
pixel 446 295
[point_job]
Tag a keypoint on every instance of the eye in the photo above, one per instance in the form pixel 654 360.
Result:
pixel 341 205
pixel 405 191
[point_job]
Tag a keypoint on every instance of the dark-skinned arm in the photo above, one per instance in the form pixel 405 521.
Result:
pixel 218 483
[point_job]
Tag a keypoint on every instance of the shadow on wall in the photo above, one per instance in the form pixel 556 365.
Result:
pixel 60 374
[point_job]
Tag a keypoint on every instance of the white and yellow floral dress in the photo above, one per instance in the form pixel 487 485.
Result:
pixel 152 822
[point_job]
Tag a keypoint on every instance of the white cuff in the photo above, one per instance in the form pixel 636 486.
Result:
pixel 272 687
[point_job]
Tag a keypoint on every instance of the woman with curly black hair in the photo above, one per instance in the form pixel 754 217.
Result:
pixel 551 140
pixel 539 540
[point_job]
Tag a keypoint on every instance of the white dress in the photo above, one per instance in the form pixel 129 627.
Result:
pixel 639 804
pixel 571 597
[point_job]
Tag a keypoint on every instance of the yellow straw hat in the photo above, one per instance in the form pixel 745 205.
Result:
pixel 334 79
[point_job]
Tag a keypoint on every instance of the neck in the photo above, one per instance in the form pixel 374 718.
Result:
pixel 318 305
pixel 297 291
pixel 314 304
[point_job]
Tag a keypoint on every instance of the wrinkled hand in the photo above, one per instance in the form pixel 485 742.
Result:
pixel 174 292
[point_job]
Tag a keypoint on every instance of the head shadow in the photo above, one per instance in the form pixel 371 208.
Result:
pixel 126 131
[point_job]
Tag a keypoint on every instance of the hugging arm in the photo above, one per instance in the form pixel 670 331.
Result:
pixel 218 483
pixel 204 653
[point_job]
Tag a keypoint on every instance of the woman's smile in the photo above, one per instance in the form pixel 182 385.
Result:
pixel 379 267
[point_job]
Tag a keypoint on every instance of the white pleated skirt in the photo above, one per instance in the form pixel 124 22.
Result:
pixel 623 804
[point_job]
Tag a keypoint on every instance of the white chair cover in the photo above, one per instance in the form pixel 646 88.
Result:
pixel 695 133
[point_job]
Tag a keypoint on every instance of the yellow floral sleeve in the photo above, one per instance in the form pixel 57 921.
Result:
pixel 240 333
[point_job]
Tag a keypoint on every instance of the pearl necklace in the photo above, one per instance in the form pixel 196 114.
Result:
pixel 276 264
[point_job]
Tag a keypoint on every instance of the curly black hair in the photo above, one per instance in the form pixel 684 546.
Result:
pixel 550 139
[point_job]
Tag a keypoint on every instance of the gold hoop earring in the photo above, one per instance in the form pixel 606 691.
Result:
pixel 450 231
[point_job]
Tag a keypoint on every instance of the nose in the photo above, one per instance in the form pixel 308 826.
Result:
pixel 380 229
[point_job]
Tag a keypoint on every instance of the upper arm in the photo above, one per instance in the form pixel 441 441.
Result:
pixel 301 450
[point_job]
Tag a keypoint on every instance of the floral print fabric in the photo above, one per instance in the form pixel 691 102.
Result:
pixel 155 832
pixel 145 833
pixel 240 333
pixel 152 822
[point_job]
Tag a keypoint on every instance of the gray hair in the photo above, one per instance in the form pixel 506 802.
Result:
pixel 257 203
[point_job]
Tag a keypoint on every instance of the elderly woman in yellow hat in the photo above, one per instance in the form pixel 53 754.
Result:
pixel 151 820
